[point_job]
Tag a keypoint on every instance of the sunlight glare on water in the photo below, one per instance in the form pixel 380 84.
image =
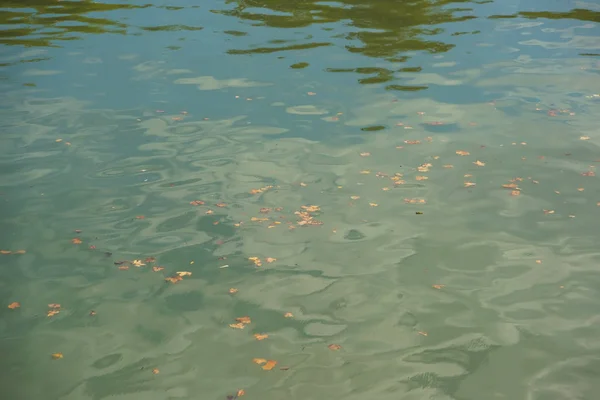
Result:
pixel 300 200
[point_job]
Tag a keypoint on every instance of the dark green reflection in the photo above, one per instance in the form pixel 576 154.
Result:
pixel 44 22
pixel 576 13
pixel 383 29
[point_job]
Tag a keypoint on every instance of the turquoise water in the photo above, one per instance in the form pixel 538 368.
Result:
pixel 401 195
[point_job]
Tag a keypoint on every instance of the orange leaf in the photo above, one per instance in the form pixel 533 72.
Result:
pixel 260 336
pixel 288 315
pixel 57 356
pixel 269 365
pixel 462 153
pixel 20 252
pixel 156 269
pixel 52 313
pixel 334 347
pixel 76 241
pixel 53 305
pixel 184 273
pixel 239 325
pixel 155 371
pixel 233 290
pixel 438 286
pixel 173 279
pixel 240 393
pixel 479 163
pixel 422 333
pixel 5 252
pixel 270 259
pixel 14 305
pixel 243 320
pixel 259 361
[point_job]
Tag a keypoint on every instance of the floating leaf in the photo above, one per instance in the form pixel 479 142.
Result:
pixel 138 263
pixel 157 268
pixel 260 336
pixel 155 371
pixel 173 279
pixel 183 273
pixel 14 305
pixel 479 163
pixel 232 290
pixel 52 313
pixel 462 153
pixel 288 315
pixel 243 320
pixel 239 325
pixel 259 361
pixel 270 259
pixel 76 241
pixel 365 154
pixel 269 365
pixel 438 286
pixel 334 346
pixel 57 356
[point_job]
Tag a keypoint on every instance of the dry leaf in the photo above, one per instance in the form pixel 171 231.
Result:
pixel 155 371
pixel 515 193
pixel 260 336
pixel 373 204
pixel 259 361
pixel 438 286
pixel 422 333
pixel 14 305
pixel 421 178
pixel 470 184
pixel 288 315
pixel 156 269
pixel 57 356
pixel 183 273
pixel 479 163
pixel 76 241
pixel 19 252
pixel 173 279
pixel 243 320
pixel 239 325
pixel 462 153
pixel 240 393
pixel 365 154
pixel 270 259
pixel 269 365
pixel 52 313
pixel 5 252
pixel 355 197
pixel 334 347
pixel 138 263
pixel 538 261
pixel 232 290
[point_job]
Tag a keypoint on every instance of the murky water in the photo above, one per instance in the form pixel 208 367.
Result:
pixel 390 199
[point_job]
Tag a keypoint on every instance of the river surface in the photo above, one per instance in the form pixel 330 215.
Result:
pixel 303 200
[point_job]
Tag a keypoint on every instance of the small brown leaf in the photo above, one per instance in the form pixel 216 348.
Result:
pixel 240 393
pixel 288 315
pixel 155 371
pixel 57 356
pixel 184 273
pixel 233 290
pixel 269 365
pixel 438 286
pixel 14 305
pixel 239 325
pixel 76 241
pixel 259 361
pixel 334 347
pixel 259 336
pixel 243 320
pixel 462 153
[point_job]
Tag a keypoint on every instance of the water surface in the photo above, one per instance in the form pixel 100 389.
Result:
pixel 401 194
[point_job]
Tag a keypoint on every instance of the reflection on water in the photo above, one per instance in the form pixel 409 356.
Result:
pixel 198 197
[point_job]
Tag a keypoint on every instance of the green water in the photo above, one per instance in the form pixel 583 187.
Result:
pixel 190 135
